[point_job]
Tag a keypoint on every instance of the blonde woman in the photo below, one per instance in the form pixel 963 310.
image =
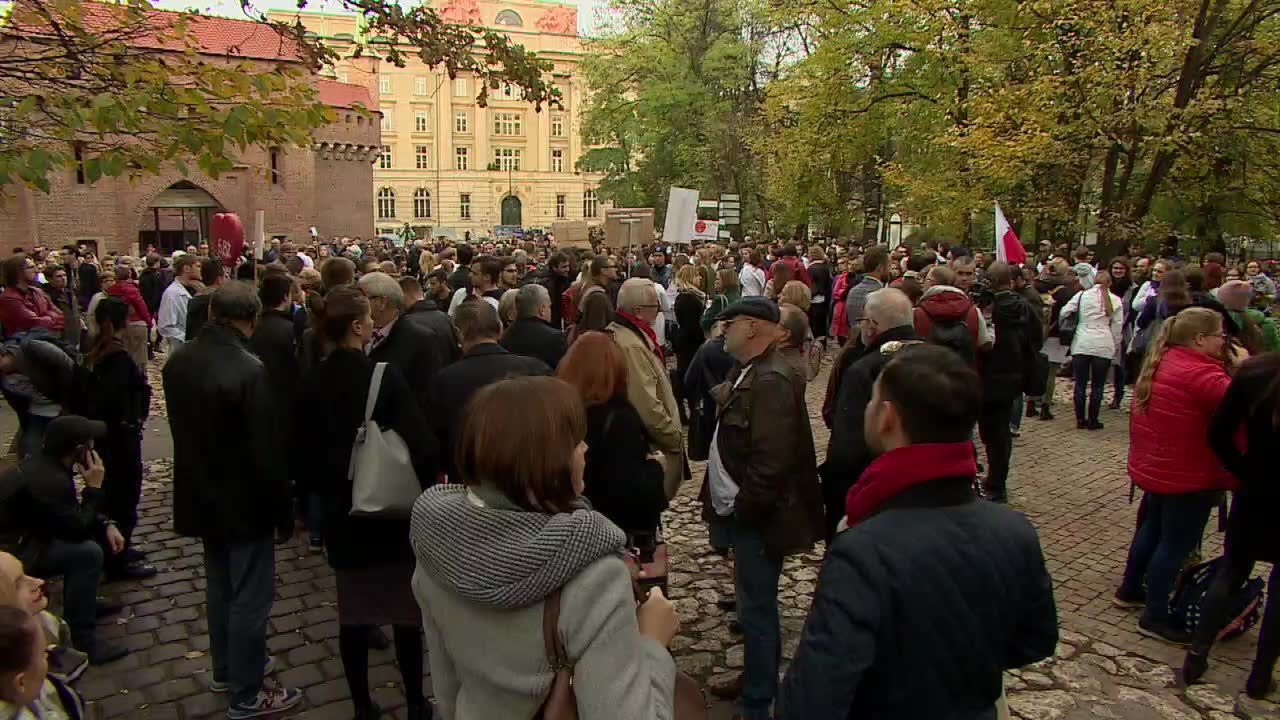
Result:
pixel 1181 384
pixel 689 306
pixel 795 293
pixel 1099 329
pixel 507 308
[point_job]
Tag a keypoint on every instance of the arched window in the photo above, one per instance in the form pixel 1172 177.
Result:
pixel 422 203
pixel 386 203
pixel 508 17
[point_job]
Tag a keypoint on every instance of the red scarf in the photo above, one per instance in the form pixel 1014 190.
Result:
pixel 903 468
pixel 644 328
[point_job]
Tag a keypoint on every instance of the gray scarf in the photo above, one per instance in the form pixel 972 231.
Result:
pixel 489 550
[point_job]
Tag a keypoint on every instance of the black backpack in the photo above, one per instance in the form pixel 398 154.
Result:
pixel 1188 595
pixel 955 335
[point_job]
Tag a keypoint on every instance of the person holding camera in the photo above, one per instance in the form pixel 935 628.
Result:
pixel 54 532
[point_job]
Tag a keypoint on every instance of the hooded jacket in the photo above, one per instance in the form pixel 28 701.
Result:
pixel 484 569
pixel 944 303
pixel 1006 369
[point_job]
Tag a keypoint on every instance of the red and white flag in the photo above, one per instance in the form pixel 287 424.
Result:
pixel 1008 247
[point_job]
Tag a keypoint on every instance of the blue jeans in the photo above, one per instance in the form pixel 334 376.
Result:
pixel 241 586
pixel 1015 415
pixel 1092 371
pixel 756 583
pixel 1172 526
pixel 80 565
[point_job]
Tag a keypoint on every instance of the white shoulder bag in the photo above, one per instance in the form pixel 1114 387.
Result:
pixel 383 482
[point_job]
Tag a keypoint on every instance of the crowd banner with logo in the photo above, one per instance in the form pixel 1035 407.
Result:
pixel 706 231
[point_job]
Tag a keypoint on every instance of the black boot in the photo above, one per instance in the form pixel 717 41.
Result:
pixel 1194 667
pixel 1045 413
pixel 1259 684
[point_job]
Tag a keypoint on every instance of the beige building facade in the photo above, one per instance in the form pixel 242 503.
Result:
pixel 449 166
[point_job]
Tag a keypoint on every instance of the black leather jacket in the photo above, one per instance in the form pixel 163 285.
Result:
pixel 230 480
pixel 766 446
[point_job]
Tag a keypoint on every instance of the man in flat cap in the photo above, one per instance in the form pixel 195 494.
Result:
pixel 55 533
pixel 762 471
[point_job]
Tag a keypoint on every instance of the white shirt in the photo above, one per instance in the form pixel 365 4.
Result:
pixel 307 262
pixel 172 324
pixel 723 490
pixel 752 280
pixel 461 294
pixel 1096 335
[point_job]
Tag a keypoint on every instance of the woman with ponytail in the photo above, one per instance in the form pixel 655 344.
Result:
pixel 121 398
pixel 1252 403
pixel 1098 334
pixel 1182 383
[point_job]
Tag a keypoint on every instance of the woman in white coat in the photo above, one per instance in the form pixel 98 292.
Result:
pixel 1099 330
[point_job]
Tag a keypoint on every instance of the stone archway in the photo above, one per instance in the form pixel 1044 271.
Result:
pixel 511 210
pixel 178 216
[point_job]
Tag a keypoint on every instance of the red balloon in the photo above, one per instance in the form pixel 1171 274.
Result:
pixel 227 234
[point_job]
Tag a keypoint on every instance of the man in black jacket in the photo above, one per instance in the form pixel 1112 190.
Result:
pixel 532 334
pixel 461 277
pixel 483 363
pixel 427 314
pixel 234 498
pixel 407 347
pixel 274 341
pixel 930 594
pixel 198 307
pixel 768 480
pixel 1006 371
pixel 886 326
pixel 53 532
pixel 555 278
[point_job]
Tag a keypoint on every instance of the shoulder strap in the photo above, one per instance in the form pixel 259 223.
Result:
pixel 557 656
pixel 375 385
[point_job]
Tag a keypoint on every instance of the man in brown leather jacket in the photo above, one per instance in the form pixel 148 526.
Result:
pixel 762 468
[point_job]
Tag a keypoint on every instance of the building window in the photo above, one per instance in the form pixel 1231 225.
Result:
pixel 422 121
pixel 386 119
pixel 511 92
pixel 508 17
pixel 589 204
pixel 460 121
pixel 275 164
pixel 386 203
pixel 384 162
pixel 557 126
pixel 507 123
pixel 422 203
pixel 419 85
pixel 560 204
pixel 464 206
pixel 460 87
pixel 506 158
pixel 421 157
pixel 78 150
pixel 384 85
pixel 557 161
pixel 460 158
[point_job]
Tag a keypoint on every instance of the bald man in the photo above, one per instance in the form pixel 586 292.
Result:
pixel 886 325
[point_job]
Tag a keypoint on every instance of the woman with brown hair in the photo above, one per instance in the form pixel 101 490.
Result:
pixel 371 556
pixel 622 480
pixel 514 545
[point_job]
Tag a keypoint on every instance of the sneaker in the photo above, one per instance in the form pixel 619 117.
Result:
pixel 221 686
pixel 1163 631
pixel 101 653
pixel 270 701
pixel 1082 425
pixel 1015 432
pixel 1129 601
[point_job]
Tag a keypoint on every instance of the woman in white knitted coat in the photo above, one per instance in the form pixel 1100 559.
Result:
pixel 491 552
pixel 1099 330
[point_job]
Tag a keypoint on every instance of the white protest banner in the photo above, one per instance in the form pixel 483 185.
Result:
pixel 705 231
pixel 682 211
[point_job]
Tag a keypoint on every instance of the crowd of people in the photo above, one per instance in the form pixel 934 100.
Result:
pixel 544 406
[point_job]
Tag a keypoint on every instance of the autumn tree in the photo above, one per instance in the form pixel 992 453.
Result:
pixel 122 88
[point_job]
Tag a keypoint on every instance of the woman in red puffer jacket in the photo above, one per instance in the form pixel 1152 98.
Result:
pixel 1181 385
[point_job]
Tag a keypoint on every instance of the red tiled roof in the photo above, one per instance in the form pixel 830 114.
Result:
pixel 343 95
pixel 211 35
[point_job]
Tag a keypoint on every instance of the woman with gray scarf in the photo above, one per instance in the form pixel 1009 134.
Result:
pixel 516 535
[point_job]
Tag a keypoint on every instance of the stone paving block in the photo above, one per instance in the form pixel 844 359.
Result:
pixel 202 704
pixel 303 676
pixel 175 689
pixel 169 651
pixel 171 633
pixel 282 643
pixel 121 703
pixel 308 654
pixel 327 692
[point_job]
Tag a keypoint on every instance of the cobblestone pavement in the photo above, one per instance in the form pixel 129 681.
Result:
pixel 1070 483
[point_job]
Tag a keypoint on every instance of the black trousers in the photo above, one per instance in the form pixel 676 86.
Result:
pixel 1235 569
pixel 993 428
pixel 121 452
